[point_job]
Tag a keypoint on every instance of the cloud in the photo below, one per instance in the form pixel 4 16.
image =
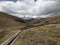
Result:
pixel 9 0
pixel 40 8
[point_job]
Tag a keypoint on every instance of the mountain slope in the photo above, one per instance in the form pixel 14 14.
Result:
pixel 42 32
pixel 8 26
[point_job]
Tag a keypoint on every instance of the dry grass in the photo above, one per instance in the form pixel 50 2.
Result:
pixel 42 35
pixel 41 32
pixel 37 32
pixel 8 26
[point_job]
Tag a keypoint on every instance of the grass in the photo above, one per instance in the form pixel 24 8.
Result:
pixel 42 35
pixel 37 32
pixel 8 26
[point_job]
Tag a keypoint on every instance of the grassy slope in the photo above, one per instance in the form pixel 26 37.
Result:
pixel 37 32
pixel 8 26
pixel 45 32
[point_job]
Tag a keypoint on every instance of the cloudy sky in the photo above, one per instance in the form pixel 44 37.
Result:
pixel 31 8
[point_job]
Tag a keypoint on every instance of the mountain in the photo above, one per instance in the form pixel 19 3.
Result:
pixel 46 21
pixel 44 31
pixel 8 26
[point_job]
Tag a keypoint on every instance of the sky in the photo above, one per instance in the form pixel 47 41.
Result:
pixel 31 8
pixel 9 0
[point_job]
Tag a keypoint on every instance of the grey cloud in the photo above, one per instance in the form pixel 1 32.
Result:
pixel 30 8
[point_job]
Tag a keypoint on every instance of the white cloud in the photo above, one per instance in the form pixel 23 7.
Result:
pixel 40 8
